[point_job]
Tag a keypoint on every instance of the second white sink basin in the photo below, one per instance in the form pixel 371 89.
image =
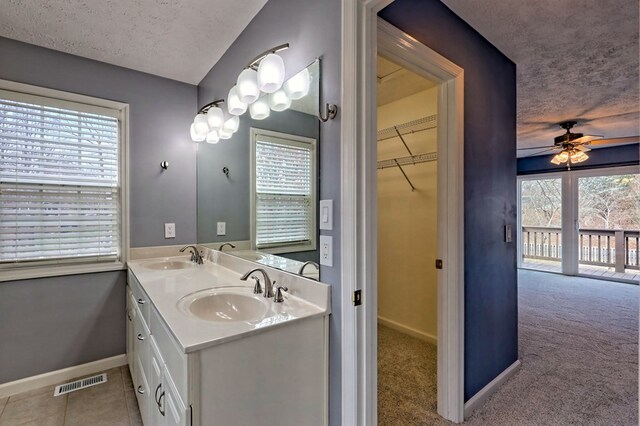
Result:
pixel 225 305
pixel 169 265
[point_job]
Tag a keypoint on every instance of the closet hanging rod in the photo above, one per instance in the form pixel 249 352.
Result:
pixel 409 127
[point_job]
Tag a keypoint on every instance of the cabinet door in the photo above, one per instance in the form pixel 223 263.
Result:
pixel 157 405
pixel 130 335
pixel 142 394
pixel 176 413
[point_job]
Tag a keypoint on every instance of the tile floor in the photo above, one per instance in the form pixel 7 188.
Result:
pixel 112 403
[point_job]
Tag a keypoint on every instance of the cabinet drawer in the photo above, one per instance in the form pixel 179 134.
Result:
pixel 142 393
pixel 140 297
pixel 174 358
pixel 141 341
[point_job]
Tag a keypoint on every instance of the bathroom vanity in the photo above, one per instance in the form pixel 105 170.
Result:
pixel 203 349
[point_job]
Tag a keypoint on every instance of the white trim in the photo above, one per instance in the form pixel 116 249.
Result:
pixel 408 330
pixel 58 376
pixel 101 106
pixel 358 203
pixel 479 398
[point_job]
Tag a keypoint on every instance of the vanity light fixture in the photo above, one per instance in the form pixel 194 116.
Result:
pixel 203 123
pixel 232 124
pixel 248 90
pixel 271 73
pixel 225 134
pixel 213 137
pixel 260 109
pixel 279 101
pixel 297 87
pixel 234 105
pixel 195 136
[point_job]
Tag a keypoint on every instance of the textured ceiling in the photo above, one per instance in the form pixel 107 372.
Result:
pixel 396 82
pixel 176 39
pixel 576 59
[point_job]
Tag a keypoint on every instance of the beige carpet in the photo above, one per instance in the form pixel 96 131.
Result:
pixel 579 352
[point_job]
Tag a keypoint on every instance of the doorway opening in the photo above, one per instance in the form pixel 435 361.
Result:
pixel 407 207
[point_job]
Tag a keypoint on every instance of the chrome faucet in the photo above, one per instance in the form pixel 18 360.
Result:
pixel 226 244
pixel 268 286
pixel 309 262
pixel 196 257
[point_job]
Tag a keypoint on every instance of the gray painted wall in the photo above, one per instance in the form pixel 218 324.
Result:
pixel 312 28
pixel 81 318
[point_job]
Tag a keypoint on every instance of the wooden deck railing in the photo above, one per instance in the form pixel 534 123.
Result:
pixel 614 248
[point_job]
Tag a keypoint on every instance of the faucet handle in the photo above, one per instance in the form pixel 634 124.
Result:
pixel 257 288
pixel 279 298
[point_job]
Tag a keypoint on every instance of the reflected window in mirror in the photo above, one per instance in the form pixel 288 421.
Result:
pixel 283 192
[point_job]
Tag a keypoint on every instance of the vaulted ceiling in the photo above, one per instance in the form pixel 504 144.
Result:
pixel 176 39
pixel 576 59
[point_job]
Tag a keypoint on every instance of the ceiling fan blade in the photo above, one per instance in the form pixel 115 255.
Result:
pixel 540 152
pixel 582 148
pixel 622 140
pixel 538 147
pixel 587 138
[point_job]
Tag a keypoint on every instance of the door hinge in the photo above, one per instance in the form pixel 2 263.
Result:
pixel 438 263
pixel 356 298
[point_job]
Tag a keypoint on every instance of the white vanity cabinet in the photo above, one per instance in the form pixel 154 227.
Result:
pixel 158 400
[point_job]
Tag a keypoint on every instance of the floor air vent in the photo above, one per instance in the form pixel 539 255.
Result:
pixel 80 384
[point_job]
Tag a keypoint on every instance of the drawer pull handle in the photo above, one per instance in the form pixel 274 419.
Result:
pixel 155 395
pixel 140 390
pixel 141 302
pixel 140 337
pixel 160 403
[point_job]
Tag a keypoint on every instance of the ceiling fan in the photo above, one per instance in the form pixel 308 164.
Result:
pixel 572 148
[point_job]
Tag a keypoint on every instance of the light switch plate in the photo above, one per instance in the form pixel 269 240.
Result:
pixel 169 230
pixel 507 234
pixel 326 215
pixel 326 250
pixel 222 228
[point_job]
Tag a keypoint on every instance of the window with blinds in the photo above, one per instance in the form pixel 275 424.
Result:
pixel 59 181
pixel 284 191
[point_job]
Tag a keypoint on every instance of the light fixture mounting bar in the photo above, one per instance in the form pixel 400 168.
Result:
pixel 254 63
pixel 208 106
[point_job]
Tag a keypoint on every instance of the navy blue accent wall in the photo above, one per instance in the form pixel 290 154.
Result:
pixel 491 316
pixel 616 156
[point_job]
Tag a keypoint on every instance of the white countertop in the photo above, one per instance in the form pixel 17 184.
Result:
pixel 305 299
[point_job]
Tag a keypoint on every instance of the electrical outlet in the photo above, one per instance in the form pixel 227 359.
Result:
pixel 169 230
pixel 326 250
pixel 222 228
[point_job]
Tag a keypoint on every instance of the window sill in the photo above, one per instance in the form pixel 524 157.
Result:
pixel 57 271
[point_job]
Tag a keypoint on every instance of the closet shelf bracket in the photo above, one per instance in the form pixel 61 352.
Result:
pixel 413 188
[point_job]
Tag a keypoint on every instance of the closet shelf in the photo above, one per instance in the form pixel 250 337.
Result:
pixel 414 126
pixel 410 159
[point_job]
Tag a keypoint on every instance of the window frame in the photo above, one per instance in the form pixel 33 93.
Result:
pixel 47 268
pixel 296 139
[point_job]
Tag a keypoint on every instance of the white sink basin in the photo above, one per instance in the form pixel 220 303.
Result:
pixel 225 305
pixel 166 265
pixel 248 255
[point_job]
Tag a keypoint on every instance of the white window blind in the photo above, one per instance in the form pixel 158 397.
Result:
pixel 59 181
pixel 284 192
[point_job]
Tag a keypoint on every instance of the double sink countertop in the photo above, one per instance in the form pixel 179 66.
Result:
pixel 166 288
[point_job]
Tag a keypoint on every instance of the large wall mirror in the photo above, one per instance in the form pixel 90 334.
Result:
pixel 258 191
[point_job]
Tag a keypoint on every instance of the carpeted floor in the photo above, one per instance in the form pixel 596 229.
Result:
pixel 579 351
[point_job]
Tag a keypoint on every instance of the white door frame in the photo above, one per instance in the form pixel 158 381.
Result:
pixel 358 212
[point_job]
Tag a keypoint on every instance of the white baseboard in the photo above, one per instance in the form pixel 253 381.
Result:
pixel 60 376
pixel 408 330
pixel 478 399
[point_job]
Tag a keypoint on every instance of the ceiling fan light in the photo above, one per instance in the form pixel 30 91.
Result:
pixel 195 136
pixel 271 73
pixel 215 118
pixel 297 87
pixel 248 90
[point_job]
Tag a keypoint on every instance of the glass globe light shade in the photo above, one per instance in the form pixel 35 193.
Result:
pixel 298 86
pixel 232 124
pixel 215 118
pixel 213 137
pixel 225 134
pixel 279 101
pixel 200 124
pixel 260 109
pixel 234 105
pixel 271 73
pixel 248 90
pixel 195 136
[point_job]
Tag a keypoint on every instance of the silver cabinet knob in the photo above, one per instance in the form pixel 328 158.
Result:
pixel 141 302
pixel 140 390
pixel 140 337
